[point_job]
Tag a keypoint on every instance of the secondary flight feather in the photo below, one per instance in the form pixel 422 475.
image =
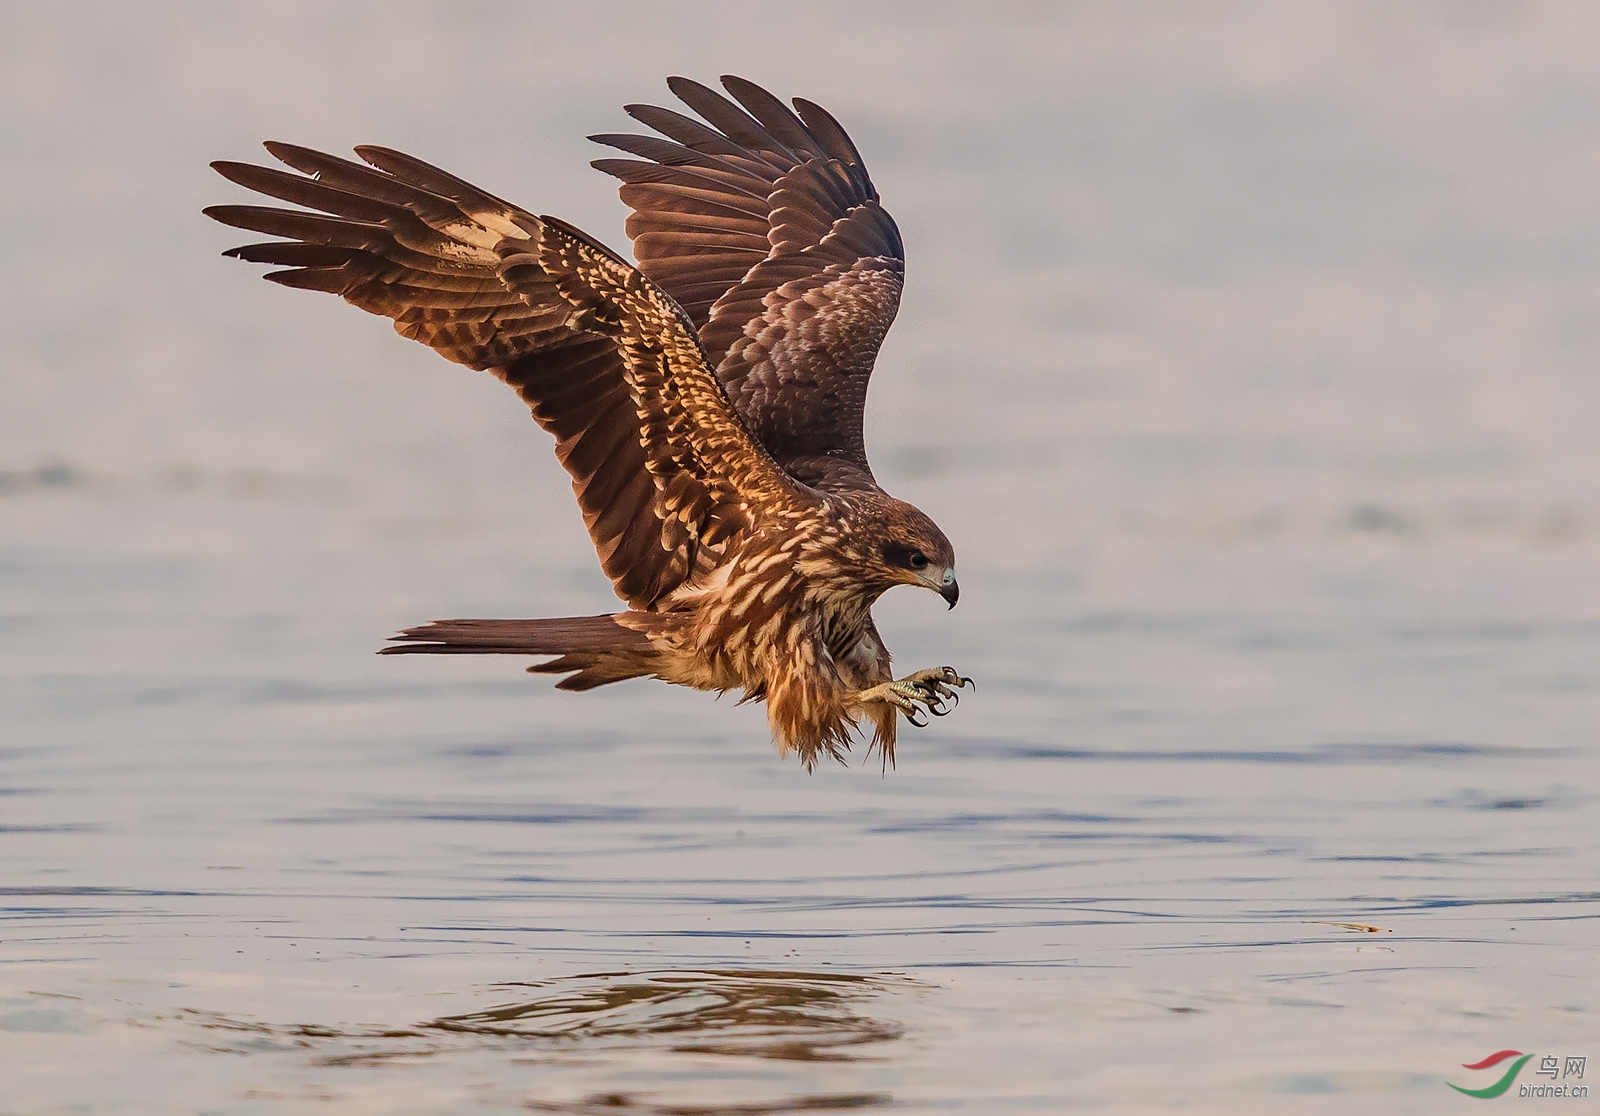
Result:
pixel 707 402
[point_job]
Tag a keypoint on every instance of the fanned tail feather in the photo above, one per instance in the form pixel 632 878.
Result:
pixel 594 650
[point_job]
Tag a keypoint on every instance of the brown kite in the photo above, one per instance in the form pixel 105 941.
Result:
pixel 707 403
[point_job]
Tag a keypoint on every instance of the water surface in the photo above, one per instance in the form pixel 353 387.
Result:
pixel 1248 359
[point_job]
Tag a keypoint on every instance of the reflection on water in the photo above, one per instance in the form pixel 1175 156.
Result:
pixel 791 1016
pixel 796 1016
pixel 601 1103
pixel 733 1013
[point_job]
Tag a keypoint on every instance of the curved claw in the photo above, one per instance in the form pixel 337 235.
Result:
pixel 965 681
pixel 924 694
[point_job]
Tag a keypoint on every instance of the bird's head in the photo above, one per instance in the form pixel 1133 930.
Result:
pixel 899 545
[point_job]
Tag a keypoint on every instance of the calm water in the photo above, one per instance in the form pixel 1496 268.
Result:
pixel 1249 359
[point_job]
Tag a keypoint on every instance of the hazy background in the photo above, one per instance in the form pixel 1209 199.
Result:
pixel 1247 356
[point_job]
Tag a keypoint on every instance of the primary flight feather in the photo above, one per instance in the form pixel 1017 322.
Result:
pixel 707 402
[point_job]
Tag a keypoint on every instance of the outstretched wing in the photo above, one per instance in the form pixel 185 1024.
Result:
pixel 764 226
pixel 663 470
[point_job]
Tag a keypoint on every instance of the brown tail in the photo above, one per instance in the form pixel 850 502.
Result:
pixel 594 649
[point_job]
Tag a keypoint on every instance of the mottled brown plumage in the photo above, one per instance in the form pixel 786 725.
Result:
pixel 706 403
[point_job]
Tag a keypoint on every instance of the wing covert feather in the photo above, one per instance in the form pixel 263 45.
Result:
pixel 763 224
pixel 662 468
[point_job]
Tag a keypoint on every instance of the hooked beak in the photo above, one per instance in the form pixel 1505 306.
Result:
pixel 946 586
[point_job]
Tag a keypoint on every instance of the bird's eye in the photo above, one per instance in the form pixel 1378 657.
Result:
pixel 902 557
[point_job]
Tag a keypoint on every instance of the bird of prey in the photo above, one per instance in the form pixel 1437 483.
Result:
pixel 706 401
